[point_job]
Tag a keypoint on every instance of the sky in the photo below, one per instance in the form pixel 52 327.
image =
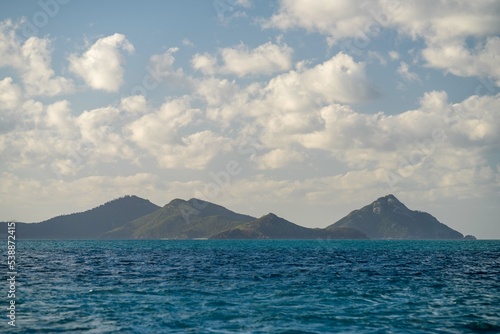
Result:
pixel 307 109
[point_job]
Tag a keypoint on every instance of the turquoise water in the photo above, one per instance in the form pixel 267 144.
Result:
pixel 257 286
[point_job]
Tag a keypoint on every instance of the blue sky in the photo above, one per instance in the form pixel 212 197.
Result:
pixel 309 109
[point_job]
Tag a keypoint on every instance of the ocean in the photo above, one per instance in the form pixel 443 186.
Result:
pixel 256 286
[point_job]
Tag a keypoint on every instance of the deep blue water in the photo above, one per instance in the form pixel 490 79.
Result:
pixel 221 286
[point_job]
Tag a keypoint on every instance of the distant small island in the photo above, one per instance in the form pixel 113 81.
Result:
pixel 132 217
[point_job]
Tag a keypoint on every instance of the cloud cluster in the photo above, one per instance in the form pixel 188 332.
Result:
pixel 444 26
pixel 32 60
pixel 294 128
pixel 101 66
pixel 162 134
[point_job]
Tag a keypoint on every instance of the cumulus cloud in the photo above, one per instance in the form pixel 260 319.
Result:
pixel 443 21
pixel 136 104
pixel 289 104
pixel 162 65
pixel 461 61
pixel 266 59
pixel 434 21
pixel 32 59
pixel 10 94
pixel 194 151
pixel 216 91
pixel 10 47
pixel 205 63
pixel 336 19
pixel 39 77
pixel 417 147
pixel 339 79
pixel 42 133
pixel 440 149
pixel 444 27
pixel 101 66
pixel 163 135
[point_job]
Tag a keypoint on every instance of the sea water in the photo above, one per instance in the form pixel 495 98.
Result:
pixel 257 286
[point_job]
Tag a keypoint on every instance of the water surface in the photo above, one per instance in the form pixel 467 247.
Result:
pixel 266 286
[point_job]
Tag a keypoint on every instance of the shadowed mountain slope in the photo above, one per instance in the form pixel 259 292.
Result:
pixel 388 218
pixel 89 224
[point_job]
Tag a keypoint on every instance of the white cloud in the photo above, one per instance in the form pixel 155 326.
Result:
pixel 194 151
pixel 404 71
pixel 394 55
pixel 10 47
pixel 336 19
pixel 58 115
pixel 378 56
pixel 243 3
pixel 444 27
pixel 32 59
pixel 459 60
pixel 216 91
pixel 136 104
pixel 154 129
pixel 101 129
pixel 289 104
pixel 205 63
pixel 101 65
pixel 10 94
pixel 434 21
pixel 163 134
pixel 266 59
pixel 279 158
pixel 416 144
pixel 339 79
pixel 437 150
pixel 41 135
pixel 443 21
pixel 38 77
pixel 162 66
pixel 187 42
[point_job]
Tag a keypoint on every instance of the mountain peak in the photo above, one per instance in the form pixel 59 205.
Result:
pixel 270 215
pixel 389 203
pixel 389 199
pixel 175 202
pixel 387 217
pixel 92 223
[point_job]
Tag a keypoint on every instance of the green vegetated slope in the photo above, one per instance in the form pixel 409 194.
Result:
pixel 271 226
pixel 181 219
